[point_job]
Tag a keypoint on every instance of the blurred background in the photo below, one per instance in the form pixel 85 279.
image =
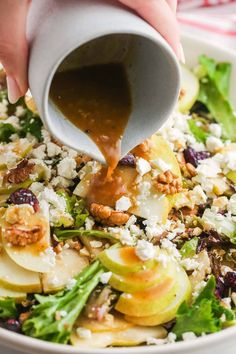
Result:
pixel 212 20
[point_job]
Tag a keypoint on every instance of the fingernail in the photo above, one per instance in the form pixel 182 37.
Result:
pixel 13 90
pixel 181 54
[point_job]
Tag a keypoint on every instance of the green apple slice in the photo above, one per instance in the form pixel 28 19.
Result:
pixel 190 89
pixel 14 277
pixel 68 264
pixel 117 333
pixel 9 188
pixel 123 260
pixel 37 257
pixel 169 313
pixel 141 280
pixel 160 148
pixel 16 295
pixel 148 302
pixel 19 148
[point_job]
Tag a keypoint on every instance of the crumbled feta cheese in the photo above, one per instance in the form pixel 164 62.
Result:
pixel 68 152
pixel 198 196
pixel 188 336
pixel 171 338
pixel 61 182
pixel 142 166
pixel 39 152
pixel 213 143
pixel 105 277
pixel 20 110
pixel 225 270
pixel 189 264
pixel 216 130
pixel 163 259
pixel 13 120
pixel 53 149
pixel 232 204
pixel 161 164
pixel 67 168
pixel 145 250
pixel 36 187
pixel 70 283
pixel 221 202
pixel 89 223
pixel 95 244
pixel 132 220
pixel 155 341
pixel 126 238
pixel 46 136
pixel 83 333
pixel 123 204
pixel 227 302
pixel 233 297
pixel 170 247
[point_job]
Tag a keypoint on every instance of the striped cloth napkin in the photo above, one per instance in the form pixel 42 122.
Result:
pixel 214 20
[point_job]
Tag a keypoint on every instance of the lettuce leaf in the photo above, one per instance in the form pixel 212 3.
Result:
pixel 199 134
pixel 8 308
pixel 54 317
pixel 189 248
pixel 205 314
pixel 6 130
pixel 214 94
pixel 31 123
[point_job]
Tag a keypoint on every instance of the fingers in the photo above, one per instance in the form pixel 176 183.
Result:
pixel 172 4
pixel 13 46
pixel 160 15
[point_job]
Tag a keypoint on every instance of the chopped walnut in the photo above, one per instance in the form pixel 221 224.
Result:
pixel 188 170
pixel 107 216
pixel 76 245
pixel 19 213
pixel 168 183
pixel 21 172
pixel 19 236
pixel 190 211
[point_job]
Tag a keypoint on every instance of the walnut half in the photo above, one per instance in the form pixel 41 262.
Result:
pixel 108 216
pixel 19 236
pixel 21 172
pixel 168 183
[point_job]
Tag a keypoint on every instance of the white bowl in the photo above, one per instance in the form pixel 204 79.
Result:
pixel 222 342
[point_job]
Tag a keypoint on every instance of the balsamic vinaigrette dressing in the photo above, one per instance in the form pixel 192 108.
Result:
pixel 97 99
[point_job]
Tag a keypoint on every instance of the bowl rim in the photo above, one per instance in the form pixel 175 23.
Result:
pixel 21 342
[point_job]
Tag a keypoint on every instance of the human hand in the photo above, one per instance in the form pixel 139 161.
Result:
pixel 14 47
pixel 161 14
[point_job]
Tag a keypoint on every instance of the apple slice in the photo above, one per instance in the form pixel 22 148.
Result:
pixel 141 280
pixel 14 277
pixel 37 257
pixel 117 333
pixel 123 260
pixel 68 264
pixel 161 149
pixel 148 302
pixel 189 90
pixel 16 295
pixel 8 188
pixel 169 313
pixel 19 148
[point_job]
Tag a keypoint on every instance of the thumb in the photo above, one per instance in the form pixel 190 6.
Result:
pixel 14 46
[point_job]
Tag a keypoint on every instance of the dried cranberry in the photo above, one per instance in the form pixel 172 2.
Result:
pixel 11 324
pixel 230 280
pixel 24 196
pixel 220 288
pixel 192 156
pixel 128 160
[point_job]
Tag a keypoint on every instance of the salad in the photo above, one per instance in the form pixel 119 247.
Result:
pixel 156 262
